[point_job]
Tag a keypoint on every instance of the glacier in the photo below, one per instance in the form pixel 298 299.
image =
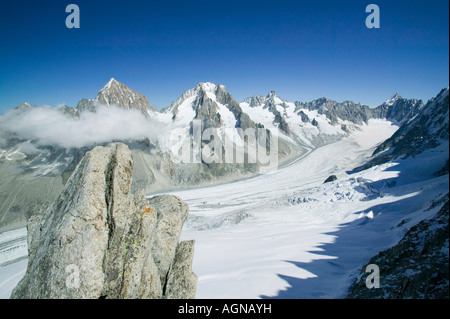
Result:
pixel 254 241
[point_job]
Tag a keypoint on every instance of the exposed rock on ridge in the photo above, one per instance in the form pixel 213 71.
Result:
pixel 415 268
pixel 100 241
pixel 428 129
pixel 117 93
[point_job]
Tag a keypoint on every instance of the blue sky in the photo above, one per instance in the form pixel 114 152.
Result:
pixel 301 49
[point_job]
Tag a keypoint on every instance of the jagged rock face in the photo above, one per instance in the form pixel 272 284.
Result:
pixel 395 109
pixel 85 105
pixel 280 118
pixel 428 129
pixel 207 111
pixel 415 268
pixel 270 102
pixel 334 111
pixel 398 109
pixel 304 116
pixel 330 179
pixel 99 241
pixel 68 111
pixel 444 170
pixel 117 93
pixel 207 101
pixel 295 119
pixel 24 106
pixel 425 130
pixel 22 187
pixel 255 100
pixel 242 119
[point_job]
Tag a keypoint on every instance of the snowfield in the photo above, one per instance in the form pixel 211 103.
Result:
pixel 286 234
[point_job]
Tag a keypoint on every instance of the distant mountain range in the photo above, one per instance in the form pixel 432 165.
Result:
pixel 308 123
pixel 425 128
pixel 32 173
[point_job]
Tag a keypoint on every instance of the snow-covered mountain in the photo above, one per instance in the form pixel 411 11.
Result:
pixel 118 94
pixel 427 128
pixel 24 106
pixel 214 111
pixel 269 111
pixel 398 109
pixel 323 120
pixel 211 104
pixel 307 126
pixel 35 170
pixel 259 223
pixel 302 128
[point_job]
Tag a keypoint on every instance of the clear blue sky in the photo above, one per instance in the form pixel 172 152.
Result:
pixel 301 49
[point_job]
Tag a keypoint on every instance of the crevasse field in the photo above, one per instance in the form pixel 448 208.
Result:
pixel 286 234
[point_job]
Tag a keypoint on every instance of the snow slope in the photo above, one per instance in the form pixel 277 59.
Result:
pixel 265 237
pixel 288 235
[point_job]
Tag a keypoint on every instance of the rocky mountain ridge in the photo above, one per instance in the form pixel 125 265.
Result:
pixel 416 267
pixel 98 240
pixel 427 129
pixel 395 109
pixel 422 127
pixel 302 127
pixel 216 107
pixel 117 93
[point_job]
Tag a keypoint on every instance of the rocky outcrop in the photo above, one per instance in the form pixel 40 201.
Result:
pixel 347 110
pixel 428 129
pixel 330 179
pixel 444 170
pixel 24 106
pixel 415 268
pixel 117 93
pixel 100 241
pixel 395 109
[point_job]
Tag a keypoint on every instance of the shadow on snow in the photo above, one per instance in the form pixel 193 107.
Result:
pixel 356 242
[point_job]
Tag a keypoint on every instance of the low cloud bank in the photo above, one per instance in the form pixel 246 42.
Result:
pixel 50 126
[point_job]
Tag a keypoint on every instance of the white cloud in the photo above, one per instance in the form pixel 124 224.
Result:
pixel 49 126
